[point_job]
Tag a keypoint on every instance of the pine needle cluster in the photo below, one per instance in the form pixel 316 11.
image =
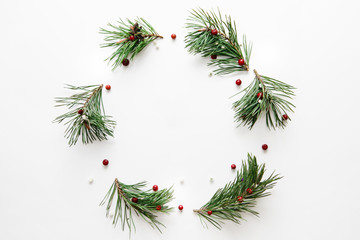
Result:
pixel 239 196
pixel 128 38
pixel 267 96
pixel 223 46
pixel 86 116
pixel 130 199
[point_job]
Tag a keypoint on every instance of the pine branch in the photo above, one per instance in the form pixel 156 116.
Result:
pixel 267 96
pixel 239 196
pixel 128 39
pixel 86 116
pixel 224 44
pixel 131 199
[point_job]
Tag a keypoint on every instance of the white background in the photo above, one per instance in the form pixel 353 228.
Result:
pixel 175 122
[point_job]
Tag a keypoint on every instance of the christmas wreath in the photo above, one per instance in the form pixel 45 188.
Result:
pixel 213 36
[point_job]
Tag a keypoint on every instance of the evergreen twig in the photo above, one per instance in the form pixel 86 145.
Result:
pixel 224 45
pixel 132 199
pixel 86 116
pixel 267 96
pixel 238 196
pixel 119 37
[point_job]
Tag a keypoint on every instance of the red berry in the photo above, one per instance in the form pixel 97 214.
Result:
pixel 238 82
pixel 134 199
pixel 241 61
pixel 285 117
pixel 173 36
pixel 132 38
pixel 158 208
pixel 108 87
pixel 240 198
pixel 181 207
pixel 249 191
pixel 213 56
pixel 259 95
pixel 209 212
pixel 105 162
pixel 125 62
pixel 155 188
pixel 80 111
pixel 233 166
pixel 264 146
pixel 214 32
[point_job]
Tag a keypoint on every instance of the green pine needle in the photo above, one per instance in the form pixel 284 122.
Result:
pixel 248 184
pixel 224 45
pixel 273 102
pixel 92 124
pixel 145 207
pixel 118 37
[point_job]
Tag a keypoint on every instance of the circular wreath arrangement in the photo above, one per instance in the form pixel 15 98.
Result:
pixel 215 37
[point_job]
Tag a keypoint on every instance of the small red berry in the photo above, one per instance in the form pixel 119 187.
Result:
pixel 125 62
pixel 173 36
pixel 213 56
pixel 259 95
pixel 240 198
pixel 181 207
pixel 233 166
pixel 264 146
pixel 214 32
pixel 132 38
pixel 80 112
pixel 155 188
pixel 238 82
pixel 108 87
pixel 134 199
pixel 105 162
pixel 209 212
pixel 285 117
pixel 241 62
pixel 158 208
pixel 249 191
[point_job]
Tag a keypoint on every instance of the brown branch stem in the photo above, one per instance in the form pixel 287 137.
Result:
pixel 203 29
pixel 152 35
pixel 259 77
pixel 120 191
pixel 92 94
pixel 87 101
pixel 122 40
pixel 142 36
pixel 227 39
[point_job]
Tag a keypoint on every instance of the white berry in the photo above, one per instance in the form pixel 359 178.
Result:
pixel 211 179
pixel 259 101
pixel 91 180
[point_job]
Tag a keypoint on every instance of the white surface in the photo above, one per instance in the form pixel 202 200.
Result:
pixel 175 122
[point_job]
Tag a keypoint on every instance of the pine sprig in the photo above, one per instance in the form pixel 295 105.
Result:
pixel 267 96
pixel 86 116
pixel 239 196
pixel 119 37
pixel 224 44
pixel 132 199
